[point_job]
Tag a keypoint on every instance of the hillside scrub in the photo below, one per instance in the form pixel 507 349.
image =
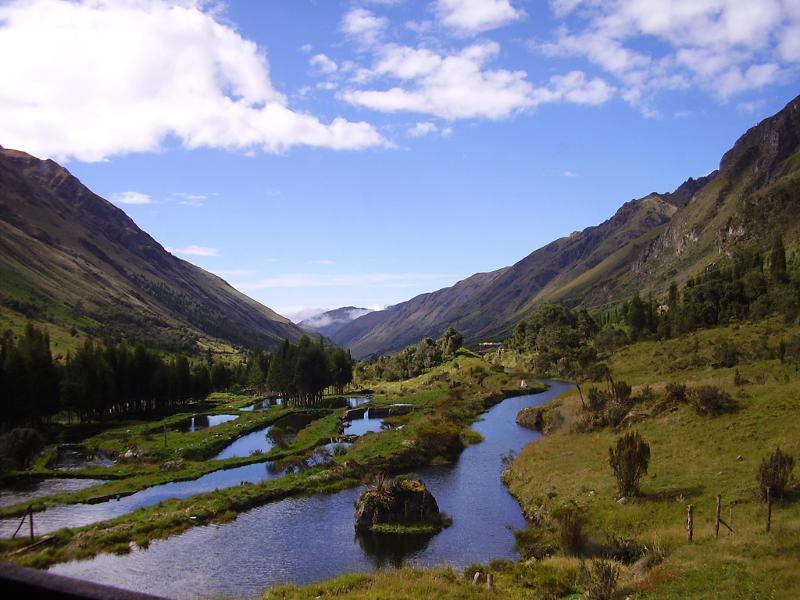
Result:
pixel 694 458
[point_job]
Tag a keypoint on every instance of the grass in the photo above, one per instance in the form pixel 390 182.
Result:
pixel 693 459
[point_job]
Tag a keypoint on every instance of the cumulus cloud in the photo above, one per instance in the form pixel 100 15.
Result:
pixel 726 47
pixel 363 25
pixel 324 64
pixel 92 79
pixel 461 86
pixel 422 129
pixel 475 16
pixel 130 198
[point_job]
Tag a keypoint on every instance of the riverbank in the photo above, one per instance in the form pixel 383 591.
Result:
pixel 445 402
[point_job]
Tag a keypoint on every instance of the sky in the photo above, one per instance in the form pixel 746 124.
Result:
pixel 318 154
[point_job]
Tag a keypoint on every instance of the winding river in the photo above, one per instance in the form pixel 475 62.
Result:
pixel 306 539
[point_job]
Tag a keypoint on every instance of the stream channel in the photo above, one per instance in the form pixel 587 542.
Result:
pixel 306 539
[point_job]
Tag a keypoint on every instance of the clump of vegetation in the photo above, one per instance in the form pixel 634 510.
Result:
pixel 601 580
pixel 675 393
pixel 629 460
pixel 624 549
pixel 534 542
pixel 569 522
pixel 710 400
pixel 19 447
pixel 775 473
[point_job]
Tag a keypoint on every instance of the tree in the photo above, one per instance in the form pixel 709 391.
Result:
pixel 775 473
pixel 629 460
pixel 451 341
pixel 777 261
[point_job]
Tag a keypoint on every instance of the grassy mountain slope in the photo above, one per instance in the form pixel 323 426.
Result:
pixel 69 257
pixel 647 244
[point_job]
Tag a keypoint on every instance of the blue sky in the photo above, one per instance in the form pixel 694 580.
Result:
pixel 318 154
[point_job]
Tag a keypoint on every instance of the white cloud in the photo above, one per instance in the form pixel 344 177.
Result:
pixel 323 63
pixel 323 320
pixel 725 47
pixel 195 251
pixel 130 198
pixel 97 78
pixel 459 86
pixel 475 16
pixel 569 174
pixel 422 129
pixel 321 261
pixel 363 25
pixel 190 199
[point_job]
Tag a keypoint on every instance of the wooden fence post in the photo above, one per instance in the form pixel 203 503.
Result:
pixel 476 579
pixel 690 522
pixel 716 521
pixel 490 582
pixel 769 510
pixel 30 517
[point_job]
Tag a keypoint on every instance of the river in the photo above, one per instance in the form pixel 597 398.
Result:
pixel 305 539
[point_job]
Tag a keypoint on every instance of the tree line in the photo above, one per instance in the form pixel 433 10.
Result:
pixel 100 381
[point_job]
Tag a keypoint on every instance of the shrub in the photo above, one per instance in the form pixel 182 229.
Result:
pixel 597 399
pixel 534 542
pixel 675 392
pixel 624 549
pixel 775 473
pixel 19 447
pixel 629 461
pixel 622 392
pixel 601 580
pixel 710 400
pixel 726 354
pixel 569 521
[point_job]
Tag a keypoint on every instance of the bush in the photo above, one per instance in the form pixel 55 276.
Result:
pixel 19 447
pixel 675 392
pixel 775 473
pixel 726 354
pixel 534 542
pixel 569 521
pixel 597 399
pixel 601 580
pixel 712 401
pixel 624 549
pixel 622 392
pixel 629 461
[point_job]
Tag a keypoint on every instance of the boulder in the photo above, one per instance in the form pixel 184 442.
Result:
pixel 400 502
pixel 532 418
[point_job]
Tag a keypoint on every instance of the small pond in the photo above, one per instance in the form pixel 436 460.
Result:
pixel 263 405
pixel 248 444
pixel 71 457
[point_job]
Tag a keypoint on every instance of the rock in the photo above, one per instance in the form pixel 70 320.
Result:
pixel 739 458
pixel 532 418
pixel 622 500
pixel 401 501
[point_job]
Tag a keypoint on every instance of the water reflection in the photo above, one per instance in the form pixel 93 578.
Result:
pixel 391 549
pixel 198 422
pixel 25 491
pixel 362 425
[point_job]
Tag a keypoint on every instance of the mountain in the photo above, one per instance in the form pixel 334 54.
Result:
pixel 330 322
pixel 648 243
pixel 69 257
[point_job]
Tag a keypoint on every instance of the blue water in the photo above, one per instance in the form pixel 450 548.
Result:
pixel 306 539
pixel 247 445
pixel 363 425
